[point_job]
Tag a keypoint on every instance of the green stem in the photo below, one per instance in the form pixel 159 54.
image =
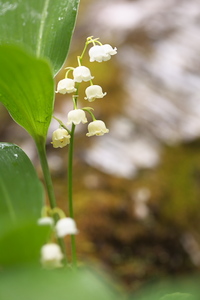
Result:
pixel 69 70
pixel 47 177
pixel 74 99
pixel 61 124
pixel 61 243
pixel 82 54
pixel 49 185
pixel 88 41
pixel 70 192
pixel 89 111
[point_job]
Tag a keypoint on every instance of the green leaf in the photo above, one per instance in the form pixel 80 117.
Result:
pixel 21 242
pixel 172 288
pixel 62 284
pixel 27 90
pixel 178 296
pixel 43 26
pixel 21 192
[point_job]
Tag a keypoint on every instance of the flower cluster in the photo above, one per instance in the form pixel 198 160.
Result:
pixel 99 53
pixel 51 254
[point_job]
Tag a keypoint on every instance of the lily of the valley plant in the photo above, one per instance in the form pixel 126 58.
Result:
pixel 51 253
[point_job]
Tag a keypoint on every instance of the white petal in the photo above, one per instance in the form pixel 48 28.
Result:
pixel 60 138
pixel 96 53
pixel 51 256
pixel 82 73
pixel 97 127
pixel 109 50
pixel 94 91
pixel 66 86
pixel 76 116
pixel 66 226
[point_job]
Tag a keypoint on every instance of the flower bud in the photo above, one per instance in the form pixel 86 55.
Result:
pixel 94 91
pixel 76 116
pixel 45 221
pixel 66 86
pixel 82 74
pixel 60 138
pixel 97 127
pixel 66 226
pixel 51 256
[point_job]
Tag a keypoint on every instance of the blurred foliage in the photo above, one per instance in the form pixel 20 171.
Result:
pixel 33 283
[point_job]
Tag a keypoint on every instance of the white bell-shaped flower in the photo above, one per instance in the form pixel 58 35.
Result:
pixel 66 86
pixel 109 50
pixel 76 116
pixel 51 256
pixel 82 73
pixel 94 91
pixel 60 138
pixel 97 127
pixel 46 221
pixel 101 52
pixel 97 53
pixel 66 226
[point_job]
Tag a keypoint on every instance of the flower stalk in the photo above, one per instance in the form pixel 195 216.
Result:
pixel 46 172
pixel 49 186
pixel 70 192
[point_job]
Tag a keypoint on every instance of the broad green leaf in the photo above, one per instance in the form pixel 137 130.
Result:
pixel 27 90
pixel 61 284
pixel 21 242
pixel 172 288
pixel 43 26
pixel 21 192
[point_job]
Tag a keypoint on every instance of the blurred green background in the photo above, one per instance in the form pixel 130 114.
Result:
pixel 137 189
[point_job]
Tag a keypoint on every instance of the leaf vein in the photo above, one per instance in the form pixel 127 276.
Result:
pixel 41 29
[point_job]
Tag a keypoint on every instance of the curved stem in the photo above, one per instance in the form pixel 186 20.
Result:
pixel 70 192
pixel 61 124
pixel 88 109
pixel 88 41
pixel 82 54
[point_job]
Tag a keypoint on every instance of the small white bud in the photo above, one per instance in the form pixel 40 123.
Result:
pixel 45 221
pixel 94 91
pixel 76 116
pixel 60 138
pixel 82 74
pixel 66 226
pixel 97 127
pixel 51 256
pixel 66 86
